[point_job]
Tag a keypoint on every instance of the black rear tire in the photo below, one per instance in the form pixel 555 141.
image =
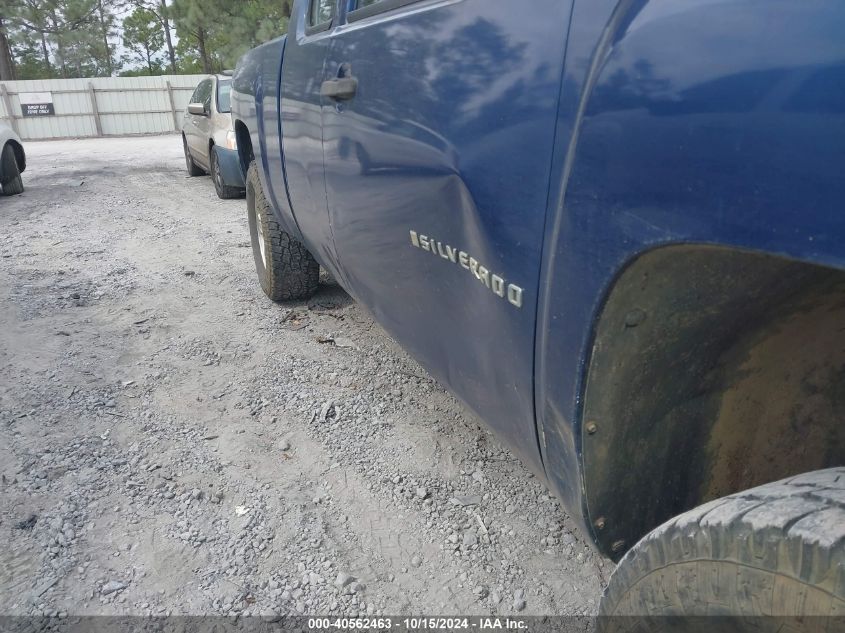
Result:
pixel 193 169
pixel 774 550
pixel 223 190
pixel 12 182
pixel 286 270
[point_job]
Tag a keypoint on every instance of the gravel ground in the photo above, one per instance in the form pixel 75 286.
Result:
pixel 171 442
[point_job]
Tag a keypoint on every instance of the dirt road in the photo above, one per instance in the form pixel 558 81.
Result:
pixel 173 442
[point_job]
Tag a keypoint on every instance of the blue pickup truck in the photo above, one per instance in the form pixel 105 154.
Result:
pixel 615 229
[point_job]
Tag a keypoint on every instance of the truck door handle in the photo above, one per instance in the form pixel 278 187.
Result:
pixel 340 89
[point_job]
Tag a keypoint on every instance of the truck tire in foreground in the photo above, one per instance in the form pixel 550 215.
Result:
pixel 285 268
pixel 12 182
pixel 774 550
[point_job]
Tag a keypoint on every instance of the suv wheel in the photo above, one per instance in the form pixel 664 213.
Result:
pixel 774 550
pixel 285 268
pixel 193 169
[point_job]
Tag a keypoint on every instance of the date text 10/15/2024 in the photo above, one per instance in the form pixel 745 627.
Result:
pixel 418 623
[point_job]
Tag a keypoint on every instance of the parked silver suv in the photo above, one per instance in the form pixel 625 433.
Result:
pixel 209 138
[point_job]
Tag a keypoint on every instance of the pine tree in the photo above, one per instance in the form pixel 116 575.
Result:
pixel 143 37
pixel 220 31
pixel 196 21
pixel 63 38
pixel 69 30
pixel 163 15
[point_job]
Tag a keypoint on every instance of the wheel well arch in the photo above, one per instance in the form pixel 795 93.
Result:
pixel 244 141
pixel 712 370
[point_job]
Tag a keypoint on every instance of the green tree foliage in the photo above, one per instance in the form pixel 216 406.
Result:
pixel 77 38
pixel 144 39
pixel 189 62
pixel 57 38
pixel 106 30
pixel 29 58
pixel 220 31
pixel 163 15
pixel 195 22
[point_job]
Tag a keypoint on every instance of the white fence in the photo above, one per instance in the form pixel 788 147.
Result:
pixel 107 106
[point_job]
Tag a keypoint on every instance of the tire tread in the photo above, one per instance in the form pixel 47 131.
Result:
pixel 775 549
pixel 193 169
pixel 292 273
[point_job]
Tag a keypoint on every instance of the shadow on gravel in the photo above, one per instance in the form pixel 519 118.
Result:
pixel 330 295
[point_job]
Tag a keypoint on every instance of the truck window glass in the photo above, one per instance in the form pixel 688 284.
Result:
pixel 320 12
pixel 364 8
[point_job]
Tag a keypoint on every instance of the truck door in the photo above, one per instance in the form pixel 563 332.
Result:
pixel 438 124
pixel 302 73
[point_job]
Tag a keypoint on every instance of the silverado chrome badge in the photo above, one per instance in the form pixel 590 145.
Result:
pixel 495 283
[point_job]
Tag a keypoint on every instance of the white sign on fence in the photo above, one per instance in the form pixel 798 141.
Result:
pixel 37 104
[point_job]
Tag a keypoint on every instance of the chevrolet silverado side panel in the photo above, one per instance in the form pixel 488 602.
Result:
pixel 692 126
pixel 614 229
pixel 436 174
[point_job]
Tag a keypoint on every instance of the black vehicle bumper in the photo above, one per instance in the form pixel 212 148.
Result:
pixel 230 167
